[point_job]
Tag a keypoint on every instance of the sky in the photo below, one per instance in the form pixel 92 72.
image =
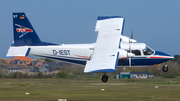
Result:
pixel 154 22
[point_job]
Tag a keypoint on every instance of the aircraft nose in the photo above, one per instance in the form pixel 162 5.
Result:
pixel 158 53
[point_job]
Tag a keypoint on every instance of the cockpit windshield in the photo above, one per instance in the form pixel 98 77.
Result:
pixel 148 51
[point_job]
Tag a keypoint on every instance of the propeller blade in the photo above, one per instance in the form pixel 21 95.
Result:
pixel 130 48
pixel 131 34
pixel 130 62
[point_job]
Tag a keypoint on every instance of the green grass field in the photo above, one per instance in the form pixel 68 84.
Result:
pixel 90 89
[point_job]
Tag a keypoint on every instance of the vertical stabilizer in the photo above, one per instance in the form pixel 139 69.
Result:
pixel 24 33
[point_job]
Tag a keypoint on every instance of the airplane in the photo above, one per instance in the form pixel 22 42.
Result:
pixel 110 50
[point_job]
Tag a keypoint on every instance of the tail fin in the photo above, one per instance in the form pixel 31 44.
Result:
pixel 24 36
pixel 24 33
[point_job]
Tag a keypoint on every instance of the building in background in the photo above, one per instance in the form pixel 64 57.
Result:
pixel 15 68
pixel 24 60
pixel 128 75
pixel 49 67
pixel 125 75
pixel 141 75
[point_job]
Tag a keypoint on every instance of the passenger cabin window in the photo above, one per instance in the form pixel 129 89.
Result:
pixel 148 51
pixel 136 52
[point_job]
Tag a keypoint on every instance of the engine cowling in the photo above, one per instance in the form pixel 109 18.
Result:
pixel 125 54
pixel 122 53
pixel 127 40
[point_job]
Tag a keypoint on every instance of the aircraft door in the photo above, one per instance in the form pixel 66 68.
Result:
pixel 137 53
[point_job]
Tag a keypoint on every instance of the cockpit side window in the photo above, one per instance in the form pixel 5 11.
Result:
pixel 148 51
pixel 136 52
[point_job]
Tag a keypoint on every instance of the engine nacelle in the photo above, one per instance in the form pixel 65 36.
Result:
pixel 125 54
pixel 127 40
pixel 122 53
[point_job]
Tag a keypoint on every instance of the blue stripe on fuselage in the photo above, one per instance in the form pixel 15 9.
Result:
pixel 81 62
pixel 143 61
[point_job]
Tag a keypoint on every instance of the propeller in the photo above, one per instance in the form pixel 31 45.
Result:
pixel 131 34
pixel 130 41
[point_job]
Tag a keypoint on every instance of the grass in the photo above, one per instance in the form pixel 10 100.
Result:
pixel 90 89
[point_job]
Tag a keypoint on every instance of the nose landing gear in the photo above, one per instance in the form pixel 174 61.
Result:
pixel 165 68
pixel 104 78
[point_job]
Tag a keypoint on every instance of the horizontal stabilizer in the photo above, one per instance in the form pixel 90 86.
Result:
pixel 18 51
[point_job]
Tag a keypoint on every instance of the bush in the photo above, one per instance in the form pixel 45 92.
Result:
pixel 0 75
pixel 25 75
pixel 17 75
pixel 73 76
pixel 40 75
pixel 62 74
pixel 169 76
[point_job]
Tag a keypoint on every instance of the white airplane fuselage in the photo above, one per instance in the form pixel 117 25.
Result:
pixel 81 53
pixel 77 53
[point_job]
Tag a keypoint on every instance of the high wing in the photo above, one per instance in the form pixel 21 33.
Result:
pixel 106 54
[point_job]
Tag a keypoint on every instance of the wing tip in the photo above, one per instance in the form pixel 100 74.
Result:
pixel 100 71
pixel 108 17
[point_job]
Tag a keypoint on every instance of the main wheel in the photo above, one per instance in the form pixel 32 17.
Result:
pixel 104 78
pixel 165 68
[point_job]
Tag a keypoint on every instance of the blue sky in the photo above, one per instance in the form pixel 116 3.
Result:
pixel 154 22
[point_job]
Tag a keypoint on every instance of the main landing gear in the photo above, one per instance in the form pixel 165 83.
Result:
pixel 104 78
pixel 165 68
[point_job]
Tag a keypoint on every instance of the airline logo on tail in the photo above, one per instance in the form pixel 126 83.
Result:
pixel 23 30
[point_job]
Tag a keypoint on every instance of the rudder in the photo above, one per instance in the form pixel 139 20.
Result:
pixel 24 33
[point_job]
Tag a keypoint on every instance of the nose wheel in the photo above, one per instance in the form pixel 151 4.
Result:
pixel 104 78
pixel 165 68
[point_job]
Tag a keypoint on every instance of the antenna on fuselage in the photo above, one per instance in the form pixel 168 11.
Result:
pixel 62 42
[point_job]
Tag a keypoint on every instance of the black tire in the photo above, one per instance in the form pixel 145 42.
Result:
pixel 104 78
pixel 165 68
